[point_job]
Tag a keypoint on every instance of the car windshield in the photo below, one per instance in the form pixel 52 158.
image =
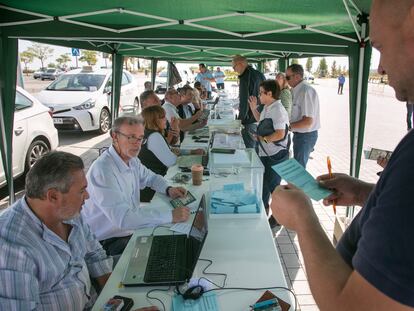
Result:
pixel 77 82
pixel 163 74
pixel 51 70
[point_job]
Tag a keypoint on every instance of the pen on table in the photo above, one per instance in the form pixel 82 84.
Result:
pixel 328 161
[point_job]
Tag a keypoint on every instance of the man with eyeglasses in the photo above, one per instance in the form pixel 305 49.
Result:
pixel 304 120
pixel 115 179
pixel 249 82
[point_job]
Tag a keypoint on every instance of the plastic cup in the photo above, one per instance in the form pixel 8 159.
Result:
pixel 197 174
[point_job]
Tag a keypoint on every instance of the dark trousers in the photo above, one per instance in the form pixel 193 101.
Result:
pixel 247 134
pixel 303 144
pixel 340 88
pixel 115 246
pixel 410 116
pixel 220 86
pixel 270 178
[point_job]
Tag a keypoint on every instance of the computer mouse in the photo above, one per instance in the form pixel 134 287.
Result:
pixel 193 293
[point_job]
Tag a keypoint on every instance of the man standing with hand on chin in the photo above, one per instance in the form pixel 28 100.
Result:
pixel 372 267
pixel 115 179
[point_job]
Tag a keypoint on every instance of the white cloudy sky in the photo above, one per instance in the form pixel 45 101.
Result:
pixel 59 50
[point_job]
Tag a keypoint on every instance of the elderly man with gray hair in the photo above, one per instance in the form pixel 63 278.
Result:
pixel 115 179
pixel 48 253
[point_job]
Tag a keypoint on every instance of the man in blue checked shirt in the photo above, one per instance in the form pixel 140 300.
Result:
pixel 48 254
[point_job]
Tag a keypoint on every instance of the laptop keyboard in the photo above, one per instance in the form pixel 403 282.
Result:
pixel 165 259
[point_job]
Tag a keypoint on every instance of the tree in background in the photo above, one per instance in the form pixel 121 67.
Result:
pixel 89 57
pixel 294 61
pixel 322 68
pixel 334 70
pixel 309 64
pixel 26 57
pixel 63 59
pixel 40 51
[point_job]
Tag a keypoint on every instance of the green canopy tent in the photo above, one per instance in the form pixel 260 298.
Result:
pixel 183 30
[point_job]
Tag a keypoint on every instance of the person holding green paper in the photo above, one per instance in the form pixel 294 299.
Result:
pixel 372 267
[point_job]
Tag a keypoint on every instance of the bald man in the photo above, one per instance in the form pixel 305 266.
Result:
pixel 250 80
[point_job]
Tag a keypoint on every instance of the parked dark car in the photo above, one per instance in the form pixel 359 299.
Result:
pixel 50 74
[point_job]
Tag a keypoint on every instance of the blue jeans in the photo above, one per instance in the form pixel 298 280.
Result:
pixel 303 144
pixel 247 134
pixel 270 179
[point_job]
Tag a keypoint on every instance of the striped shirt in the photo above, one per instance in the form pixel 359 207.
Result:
pixel 39 270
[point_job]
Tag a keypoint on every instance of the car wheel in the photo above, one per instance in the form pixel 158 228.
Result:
pixel 36 150
pixel 104 121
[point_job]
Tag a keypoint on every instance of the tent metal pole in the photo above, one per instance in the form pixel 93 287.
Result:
pixel 5 154
pixel 358 102
pixel 350 209
pixel 153 72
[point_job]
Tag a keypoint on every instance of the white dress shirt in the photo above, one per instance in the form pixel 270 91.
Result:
pixel 159 147
pixel 170 111
pixel 280 119
pixel 113 208
pixel 305 104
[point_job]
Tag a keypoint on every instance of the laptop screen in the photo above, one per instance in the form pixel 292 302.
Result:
pixel 197 234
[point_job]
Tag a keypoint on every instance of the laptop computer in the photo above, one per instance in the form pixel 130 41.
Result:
pixel 167 259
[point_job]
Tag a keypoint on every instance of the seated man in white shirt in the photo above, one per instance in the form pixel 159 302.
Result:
pixel 172 101
pixel 114 182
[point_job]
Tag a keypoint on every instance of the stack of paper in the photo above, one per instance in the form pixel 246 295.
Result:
pixel 233 199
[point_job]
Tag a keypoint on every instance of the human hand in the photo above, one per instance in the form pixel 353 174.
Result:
pixel 176 151
pixel 197 151
pixel 175 133
pixel 177 192
pixel 174 124
pixel 180 214
pixel 292 208
pixel 198 114
pixel 381 161
pixel 252 102
pixel 347 190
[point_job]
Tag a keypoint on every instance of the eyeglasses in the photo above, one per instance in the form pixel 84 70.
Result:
pixel 289 77
pixel 132 139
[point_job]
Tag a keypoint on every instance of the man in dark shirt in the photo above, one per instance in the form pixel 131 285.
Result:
pixel 373 265
pixel 250 80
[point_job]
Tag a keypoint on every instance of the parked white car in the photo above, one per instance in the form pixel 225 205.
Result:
pixel 33 133
pixel 81 99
